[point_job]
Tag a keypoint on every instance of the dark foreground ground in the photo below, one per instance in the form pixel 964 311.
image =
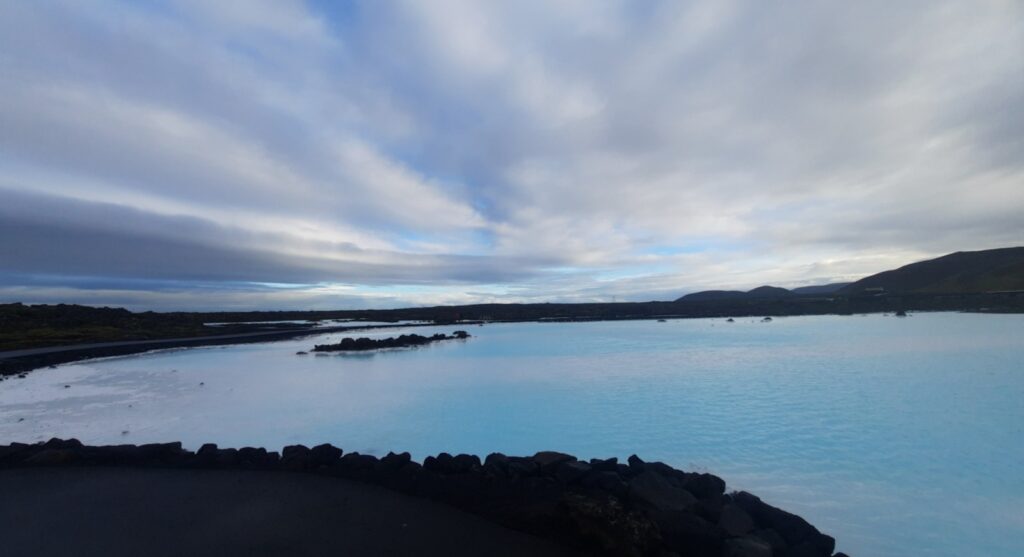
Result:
pixel 155 512
pixel 65 498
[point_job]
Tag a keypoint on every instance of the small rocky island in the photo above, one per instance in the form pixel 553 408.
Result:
pixel 359 344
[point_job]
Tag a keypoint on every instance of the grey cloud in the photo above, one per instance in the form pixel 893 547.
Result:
pixel 53 236
pixel 190 299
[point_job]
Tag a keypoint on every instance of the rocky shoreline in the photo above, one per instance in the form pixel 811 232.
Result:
pixel 598 506
pixel 19 362
pixel 349 344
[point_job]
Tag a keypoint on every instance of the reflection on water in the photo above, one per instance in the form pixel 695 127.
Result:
pixel 898 436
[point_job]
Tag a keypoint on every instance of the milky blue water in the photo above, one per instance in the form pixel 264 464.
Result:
pixel 897 436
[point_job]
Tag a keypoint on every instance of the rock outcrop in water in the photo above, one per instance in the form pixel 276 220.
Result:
pixel 358 344
pixel 598 506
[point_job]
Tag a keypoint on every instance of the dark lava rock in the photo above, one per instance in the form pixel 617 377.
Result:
pixel 772 538
pixel 603 526
pixel 522 467
pixel 121 455
pixel 404 477
pixel 606 481
pixel 465 463
pixel 669 473
pixel 746 547
pixel 703 486
pixel 496 464
pixel 257 458
pixel 356 461
pixel 161 454
pixel 651 490
pixel 710 508
pixel 689 534
pixel 792 528
pixel 549 461
pixel 14 453
pixel 52 457
pixel 227 458
pixel 436 463
pixel 72 444
pixel 606 465
pixel 735 521
pixel 296 457
pixel 364 343
pixel 496 459
pixel 324 455
pixel 393 461
pixel 636 464
pixel 206 456
pixel 570 472
pixel 445 463
pixel 805 549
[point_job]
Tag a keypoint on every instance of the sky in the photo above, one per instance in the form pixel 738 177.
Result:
pixel 278 154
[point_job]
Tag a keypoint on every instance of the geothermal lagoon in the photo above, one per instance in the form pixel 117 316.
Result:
pixel 895 435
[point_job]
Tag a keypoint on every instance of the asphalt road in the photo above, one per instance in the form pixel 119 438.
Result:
pixel 184 341
pixel 114 512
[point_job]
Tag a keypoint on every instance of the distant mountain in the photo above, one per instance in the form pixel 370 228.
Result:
pixel 820 288
pixel 707 295
pixel 759 293
pixel 768 292
pixel 965 272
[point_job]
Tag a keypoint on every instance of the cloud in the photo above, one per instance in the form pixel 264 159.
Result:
pixel 50 236
pixel 502 151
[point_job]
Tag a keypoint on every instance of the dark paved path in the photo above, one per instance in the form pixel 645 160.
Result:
pixel 172 342
pixel 113 512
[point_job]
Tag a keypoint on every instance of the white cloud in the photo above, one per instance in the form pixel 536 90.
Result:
pixel 533 150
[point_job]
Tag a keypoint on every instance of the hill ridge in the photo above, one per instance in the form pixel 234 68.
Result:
pixel 967 272
pixel 960 272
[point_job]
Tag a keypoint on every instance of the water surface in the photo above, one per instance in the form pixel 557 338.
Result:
pixel 897 436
